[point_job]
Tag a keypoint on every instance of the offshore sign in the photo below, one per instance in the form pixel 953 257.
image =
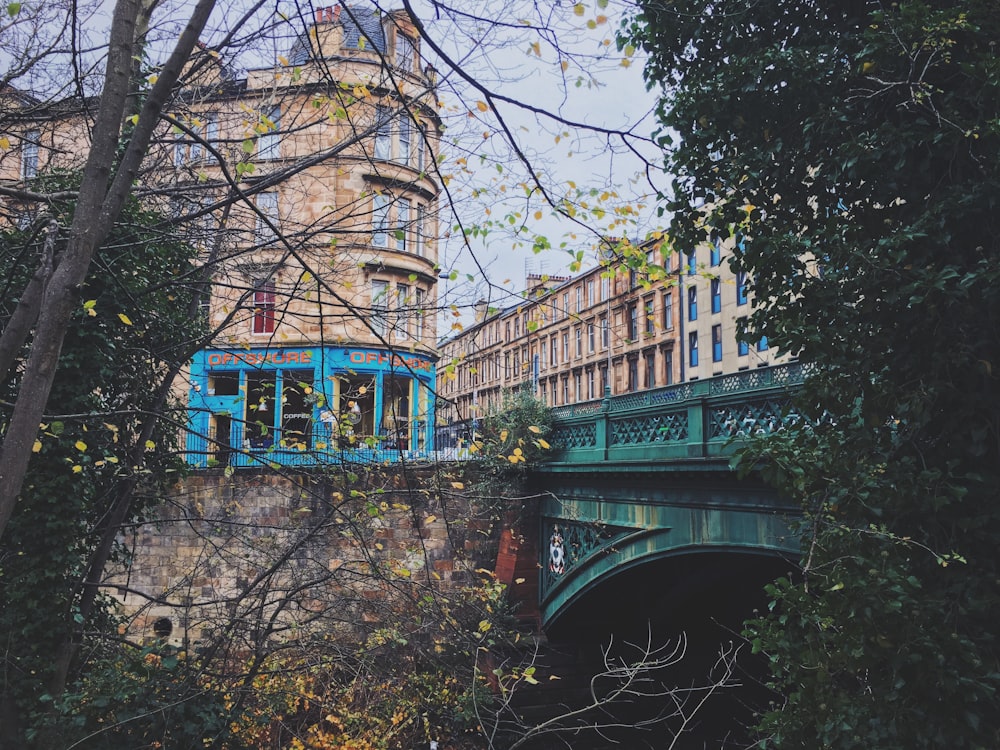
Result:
pixel 393 360
pixel 279 357
pixel 305 357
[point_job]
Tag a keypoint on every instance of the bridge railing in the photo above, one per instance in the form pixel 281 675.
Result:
pixel 697 419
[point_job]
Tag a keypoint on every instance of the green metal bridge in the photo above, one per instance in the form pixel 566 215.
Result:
pixel 645 476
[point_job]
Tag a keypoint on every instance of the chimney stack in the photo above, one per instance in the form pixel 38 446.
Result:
pixel 328 14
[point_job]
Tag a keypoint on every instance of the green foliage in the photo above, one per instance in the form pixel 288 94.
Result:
pixel 152 697
pixel 132 322
pixel 850 152
pixel 511 439
pixel 411 680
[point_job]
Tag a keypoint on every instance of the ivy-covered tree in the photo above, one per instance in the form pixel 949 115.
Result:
pixel 98 464
pixel 850 152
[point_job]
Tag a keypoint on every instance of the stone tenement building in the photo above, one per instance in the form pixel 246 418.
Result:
pixel 567 334
pixel 307 185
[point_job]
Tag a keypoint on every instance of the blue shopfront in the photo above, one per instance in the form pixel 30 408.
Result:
pixel 308 406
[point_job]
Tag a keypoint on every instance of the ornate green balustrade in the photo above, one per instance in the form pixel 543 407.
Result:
pixel 692 420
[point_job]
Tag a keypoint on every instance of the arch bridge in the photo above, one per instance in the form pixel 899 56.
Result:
pixel 642 477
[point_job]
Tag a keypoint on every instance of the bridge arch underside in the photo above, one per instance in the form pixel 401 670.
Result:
pixel 661 539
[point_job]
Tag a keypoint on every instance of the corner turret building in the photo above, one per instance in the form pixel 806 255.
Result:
pixel 307 185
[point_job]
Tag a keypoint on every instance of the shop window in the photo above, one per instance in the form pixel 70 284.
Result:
pixel 224 384
pixel 296 409
pixel 220 439
pixel 260 409
pixel 357 410
pixel 396 412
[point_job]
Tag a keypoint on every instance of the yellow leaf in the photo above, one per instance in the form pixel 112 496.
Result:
pixel 503 435
pixel 564 65
pixel 430 519
pixel 543 444
pixel 458 485
pixel 4 142
pixel 80 445
pixel 536 48
pixel 518 580
pixel 150 445
pixel 37 446
pixel 482 106
pixel 77 469
pixel 124 319
pixel 578 9
pixel 534 429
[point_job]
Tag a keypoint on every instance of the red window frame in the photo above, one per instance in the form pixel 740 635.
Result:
pixel 263 307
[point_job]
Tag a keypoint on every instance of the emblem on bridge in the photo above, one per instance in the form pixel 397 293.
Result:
pixel 557 553
pixel 572 545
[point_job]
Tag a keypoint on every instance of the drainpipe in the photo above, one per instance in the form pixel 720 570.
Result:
pixel 681 313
